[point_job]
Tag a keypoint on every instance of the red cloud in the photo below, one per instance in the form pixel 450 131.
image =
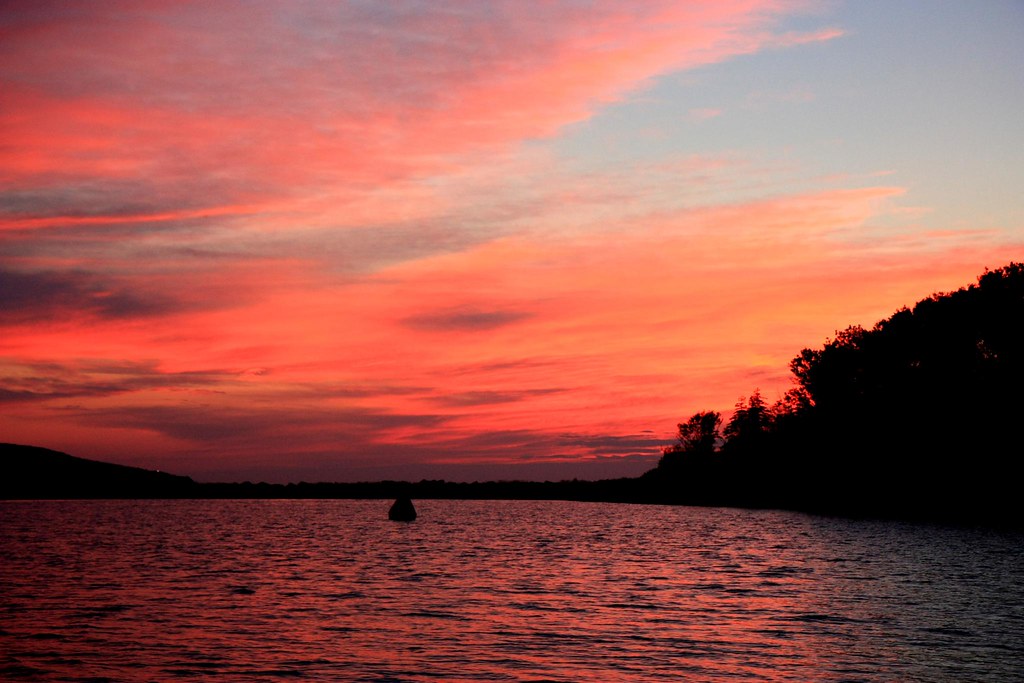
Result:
pixel 167 172
pixel 297 99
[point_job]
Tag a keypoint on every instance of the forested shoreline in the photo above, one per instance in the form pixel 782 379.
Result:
pixel 918 416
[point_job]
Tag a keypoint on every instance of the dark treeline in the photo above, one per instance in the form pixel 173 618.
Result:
pixel 918 416
pixel 29 472
pixel 606 490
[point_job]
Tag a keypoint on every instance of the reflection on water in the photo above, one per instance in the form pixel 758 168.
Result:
pixel 515 591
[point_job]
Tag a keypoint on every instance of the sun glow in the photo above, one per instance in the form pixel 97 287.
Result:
pixel 356 241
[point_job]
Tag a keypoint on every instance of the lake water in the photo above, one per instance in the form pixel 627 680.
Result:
pixel 498 591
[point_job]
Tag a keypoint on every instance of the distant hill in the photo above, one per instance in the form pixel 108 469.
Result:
pixel 28 472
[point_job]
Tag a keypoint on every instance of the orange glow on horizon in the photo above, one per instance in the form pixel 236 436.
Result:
pixel 361 240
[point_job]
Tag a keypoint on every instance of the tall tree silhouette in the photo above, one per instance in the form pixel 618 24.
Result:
pixel 696 439
pixel 918 414
pixel 700 434
pixel 750 422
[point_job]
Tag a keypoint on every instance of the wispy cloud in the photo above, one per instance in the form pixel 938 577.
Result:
pixel 349 98
pixel 464 399
pixel 62 380
pixel 352 239
pixel 465 319
pixel 705 113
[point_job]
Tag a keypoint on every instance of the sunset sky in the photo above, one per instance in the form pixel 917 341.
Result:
pixel 291 240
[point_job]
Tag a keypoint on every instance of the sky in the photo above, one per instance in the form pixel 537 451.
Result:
pixel 473 240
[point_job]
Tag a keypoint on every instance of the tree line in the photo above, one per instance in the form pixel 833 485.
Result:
pixel 920 414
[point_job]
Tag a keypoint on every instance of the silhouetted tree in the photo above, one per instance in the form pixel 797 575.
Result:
pixel 750 421
pixel 915 415
pixel 700 434
pixel 833 375
pixel 794 402
pixel 697 438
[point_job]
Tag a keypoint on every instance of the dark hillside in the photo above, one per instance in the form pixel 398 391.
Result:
pixel 28 472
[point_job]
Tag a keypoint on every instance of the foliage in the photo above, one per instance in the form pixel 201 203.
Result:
pixel 931 378
pixel 750 422
pixel 697 437
pixel 700 434
pixel 914 411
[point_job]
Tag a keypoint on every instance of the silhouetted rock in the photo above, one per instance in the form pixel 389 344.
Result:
pixel 402 510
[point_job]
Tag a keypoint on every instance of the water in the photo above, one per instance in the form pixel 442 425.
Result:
pixel 498 591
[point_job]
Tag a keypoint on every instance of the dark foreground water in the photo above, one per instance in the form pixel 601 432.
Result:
pixel 498 591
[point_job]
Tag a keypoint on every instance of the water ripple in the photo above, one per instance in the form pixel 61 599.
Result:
pixel 498 591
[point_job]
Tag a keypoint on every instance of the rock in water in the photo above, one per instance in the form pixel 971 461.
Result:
pixel 402 510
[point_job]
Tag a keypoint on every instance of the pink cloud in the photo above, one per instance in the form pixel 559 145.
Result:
pixel 313 230
pixel 694 314
pixel 543 343
pixel 301 99
pixel 704 114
